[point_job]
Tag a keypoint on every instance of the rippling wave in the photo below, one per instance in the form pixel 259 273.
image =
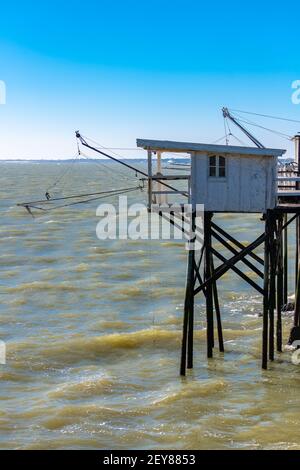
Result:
pixel 93 335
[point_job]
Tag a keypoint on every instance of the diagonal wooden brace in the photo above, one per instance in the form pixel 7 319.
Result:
pixel 221 270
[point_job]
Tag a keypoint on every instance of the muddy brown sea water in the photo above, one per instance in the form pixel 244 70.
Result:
pixel 93 332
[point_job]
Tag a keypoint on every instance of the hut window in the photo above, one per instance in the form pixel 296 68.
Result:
pixel 217 166
pixel 213 166
pixel 222 167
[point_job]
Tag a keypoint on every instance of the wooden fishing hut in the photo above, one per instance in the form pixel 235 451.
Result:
pixel 234 179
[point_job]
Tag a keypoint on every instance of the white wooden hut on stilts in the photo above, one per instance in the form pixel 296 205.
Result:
pixel 225 179
pixel 231 179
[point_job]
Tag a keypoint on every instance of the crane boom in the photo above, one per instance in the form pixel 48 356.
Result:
pixel 226 114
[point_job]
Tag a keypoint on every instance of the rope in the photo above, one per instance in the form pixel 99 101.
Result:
pixel 120 148
pixel 101 167
pixel 110 170
pixel 127 165
pixel 64 173
pixel 265 115
pixel 280 134
pixel 104 194
pixel 69 169
pixel 239 140
pixel 226 136
pixel 220 139
pixel 114 153
pixel 93 199
pixel 73 197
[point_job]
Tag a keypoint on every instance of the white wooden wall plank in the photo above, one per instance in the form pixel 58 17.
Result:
pixel 249 186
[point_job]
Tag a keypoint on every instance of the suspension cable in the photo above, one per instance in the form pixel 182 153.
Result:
pixel 226 134
pixel 239 140
pixel 136 170
pixel 32 205
pixel 74 196
pixel 280 134
pixel 64 173
pixel 110 170
pixel 266 116
pixel 220 139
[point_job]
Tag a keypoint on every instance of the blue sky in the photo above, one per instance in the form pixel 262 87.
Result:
pixel 126 69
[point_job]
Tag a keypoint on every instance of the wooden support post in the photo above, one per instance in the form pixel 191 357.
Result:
pixel 188 317
pixel 159 198
pixel 191 298
pixel 297 300
pixel 158 162
pixel 191 333
pixel 297 160
pixel 297 251
pixel 217 310
pixel 266 294
pixel 149 179
pixel 297 262
pixel 297 156
pixel 297 277
pixel 272 291
pixel 209 290
pixel 280 286
pixel 285 261
pixel 185 324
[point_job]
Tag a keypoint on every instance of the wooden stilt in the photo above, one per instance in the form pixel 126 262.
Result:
pixel 285 261
pixel 150 186
pixel 297 300
pixel 191 334
pixel 217 310
pixel 184 340
pixel 188 317
pixel 297 261
pixel 280 286
pixel 297 277
pixel 209 291
pixel 272 287
pixel 191 300
pixel 266 294
pixel 297 252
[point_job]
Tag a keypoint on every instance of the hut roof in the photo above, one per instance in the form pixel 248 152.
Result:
pixel 171 146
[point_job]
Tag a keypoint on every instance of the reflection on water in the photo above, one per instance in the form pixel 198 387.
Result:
pixel 93 332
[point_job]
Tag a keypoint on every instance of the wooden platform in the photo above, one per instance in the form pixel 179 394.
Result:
pixel 288 208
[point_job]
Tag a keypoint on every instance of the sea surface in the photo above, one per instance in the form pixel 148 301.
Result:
pixel 93 332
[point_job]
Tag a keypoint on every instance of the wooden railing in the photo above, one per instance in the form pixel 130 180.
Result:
pixel 158 193
pixel 288 178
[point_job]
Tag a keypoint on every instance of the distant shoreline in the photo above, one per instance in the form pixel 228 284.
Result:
pixel 107 160
pixel 68 160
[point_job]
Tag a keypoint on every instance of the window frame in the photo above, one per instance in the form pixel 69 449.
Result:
pixel 219 166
